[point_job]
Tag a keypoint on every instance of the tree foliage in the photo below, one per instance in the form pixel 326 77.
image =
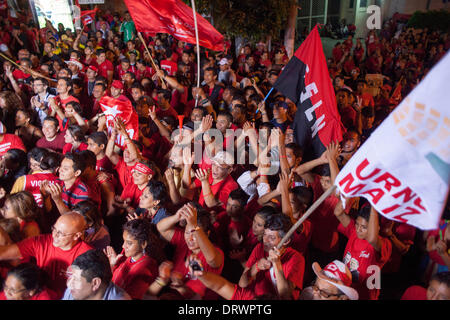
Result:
pixel 253 19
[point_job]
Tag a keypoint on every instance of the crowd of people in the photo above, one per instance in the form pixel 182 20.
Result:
pixel 83 218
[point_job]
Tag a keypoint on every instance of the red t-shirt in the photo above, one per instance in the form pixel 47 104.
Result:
pixel 170 66
pixel 221 190
pixel 11 141
pixel 325 236
pixel 124 172
pixel 181 254
pixel 132 192
pixel 415 293
pixel 56 145
pixel 160 113
pixel 33 184
pixel 301 239
pixel 359 255
pixel 44 294
pixel 63 102
pixel 104 164
pixel 224 225
pixel 68 147
pixel 52 260
pixel 135 277
pixel 242 293
pixel 293 268
pixel 104 68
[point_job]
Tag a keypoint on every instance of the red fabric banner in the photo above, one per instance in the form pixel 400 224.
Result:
pixel 115 108
pixel 175 18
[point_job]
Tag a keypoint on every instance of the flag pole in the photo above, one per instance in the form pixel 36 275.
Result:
pixel 198 49
pixel 267 95
pixel 150 55
pixel 306 215
pixel 27 70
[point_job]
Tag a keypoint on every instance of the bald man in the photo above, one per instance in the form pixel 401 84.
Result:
pixel 54 252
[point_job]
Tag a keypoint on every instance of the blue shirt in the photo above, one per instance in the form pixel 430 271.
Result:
pixel 112 292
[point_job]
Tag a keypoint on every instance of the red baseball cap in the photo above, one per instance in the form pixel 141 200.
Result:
pixel 117 84
pixel 93 68
pixel 339 275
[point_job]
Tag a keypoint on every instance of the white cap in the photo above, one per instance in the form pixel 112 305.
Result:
pixel 223 61
pixel 223 157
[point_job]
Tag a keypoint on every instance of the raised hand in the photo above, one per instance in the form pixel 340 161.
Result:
pixel 202 174
pixel 113 257
pixel 206 123
pixel 235 238
pixel 190 214
pixel 188 157
pixel 152 113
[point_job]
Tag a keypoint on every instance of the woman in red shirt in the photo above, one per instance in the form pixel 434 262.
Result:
pixel 74 139
pixel 23 283
pixel 136 267
pixel 22 207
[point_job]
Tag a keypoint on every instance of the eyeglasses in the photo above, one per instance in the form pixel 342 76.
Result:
pixel 325 294
pixel 11 290
pixel 60 234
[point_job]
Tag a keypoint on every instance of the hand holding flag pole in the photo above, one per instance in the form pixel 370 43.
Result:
pixel 151 58
pixel 24 69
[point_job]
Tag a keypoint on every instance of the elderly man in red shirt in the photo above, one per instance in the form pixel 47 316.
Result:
pixel 54 252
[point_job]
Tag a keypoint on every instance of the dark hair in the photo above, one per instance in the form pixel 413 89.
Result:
pixel 77 159
pixel 143 231
pixel 52 119
pixel 44 81
pixel 76 132
pixel 76 106
pixel 364 212
pixel 202 109
pixel 89 158
pixel 298 151
pixel 158 191
pixel 214 71
pixel 239 195
pixel 100 51
pixel 225 114
pixel 137 85
pixel 279 222
pixel 239 98
pixel 324 170
pixel 50 161
pixel 12 228
pixel 166 94
pixel 37 154
pixel 89 210
pixel 442 277
pixel 18 156
pixel 266 211
pixel 29 274
pixel 99 137
pixel 303 195
pixel 242 108
pixel 94 264
pixel 67 80
pixel 100 83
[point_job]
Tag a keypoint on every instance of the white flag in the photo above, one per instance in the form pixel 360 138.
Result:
pixel 403 169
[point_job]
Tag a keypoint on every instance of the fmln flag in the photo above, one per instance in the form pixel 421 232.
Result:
pixel 403 169
pixel 122 109
pixel 306 81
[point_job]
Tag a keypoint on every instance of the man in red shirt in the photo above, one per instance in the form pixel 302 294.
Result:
pixel 165 109
pixel 438 289
pixel 117 90
pixel 215 185
pixel 63 89
pixel 168 64
pixel 52 139
pixel 274 271
pixel 54 252
pixel 365 247
pixel 105 67
pixel 10 141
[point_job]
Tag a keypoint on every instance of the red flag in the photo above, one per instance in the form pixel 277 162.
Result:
pixel 123 109
pixel 305 80
pixel 397 94
pixel 176 18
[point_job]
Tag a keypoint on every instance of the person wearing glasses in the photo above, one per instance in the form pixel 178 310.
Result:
pixel 90 278
pixel 332 283
pixel 24 282
pixel 54 252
